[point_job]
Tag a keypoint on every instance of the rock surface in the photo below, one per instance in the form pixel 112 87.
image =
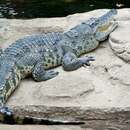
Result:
pixel 39 127
pixel 120 40
pixel 96 94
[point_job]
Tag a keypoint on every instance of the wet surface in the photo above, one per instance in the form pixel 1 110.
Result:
pixel 54 8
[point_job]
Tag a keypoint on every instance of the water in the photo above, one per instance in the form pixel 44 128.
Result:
pixel 54 8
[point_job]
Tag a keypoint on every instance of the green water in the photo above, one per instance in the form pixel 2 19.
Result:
pixel 53 8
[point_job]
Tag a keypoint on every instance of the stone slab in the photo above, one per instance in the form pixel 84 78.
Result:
pixel 38 127
pixel 98 92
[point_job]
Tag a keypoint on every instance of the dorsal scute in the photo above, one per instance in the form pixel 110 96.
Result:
pixel 32 43
pixel 90 21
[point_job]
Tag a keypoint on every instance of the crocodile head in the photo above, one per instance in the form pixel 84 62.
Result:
pixel 103 25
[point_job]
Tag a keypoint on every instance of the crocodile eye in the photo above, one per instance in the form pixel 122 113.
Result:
pixel 72 33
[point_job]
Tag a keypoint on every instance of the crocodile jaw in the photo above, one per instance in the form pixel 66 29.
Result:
pixel 106 24
pixel 106 27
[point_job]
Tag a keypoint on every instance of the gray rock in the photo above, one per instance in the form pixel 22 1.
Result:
pixel 98 94
pixel 120 40
pixel 39 127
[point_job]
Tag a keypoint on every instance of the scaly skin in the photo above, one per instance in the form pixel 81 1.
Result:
pixel 37 55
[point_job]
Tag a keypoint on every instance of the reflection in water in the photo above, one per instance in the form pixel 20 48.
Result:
pixel 54 8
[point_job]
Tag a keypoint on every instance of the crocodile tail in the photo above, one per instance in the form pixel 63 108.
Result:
pixel 9 80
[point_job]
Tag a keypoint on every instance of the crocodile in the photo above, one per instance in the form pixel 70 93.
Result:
pixel 38 55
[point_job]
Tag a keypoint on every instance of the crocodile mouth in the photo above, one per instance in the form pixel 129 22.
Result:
pixel 106 27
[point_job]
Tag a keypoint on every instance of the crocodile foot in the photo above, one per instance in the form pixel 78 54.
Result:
pixel 86 60
pixel 6 111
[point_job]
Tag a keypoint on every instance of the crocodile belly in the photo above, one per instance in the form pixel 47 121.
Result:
pixel 52 58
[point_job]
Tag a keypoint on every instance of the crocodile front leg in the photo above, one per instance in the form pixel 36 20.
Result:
pixel 40 74
pixel 71 62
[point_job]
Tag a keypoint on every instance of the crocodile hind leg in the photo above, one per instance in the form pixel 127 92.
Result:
pixel 71 62
pixel 3 109
pixel 40 74
pixel 6 111
pixel 6 115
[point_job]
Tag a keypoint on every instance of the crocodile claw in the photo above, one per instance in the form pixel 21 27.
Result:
pixel 90 58
pixel 87 60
